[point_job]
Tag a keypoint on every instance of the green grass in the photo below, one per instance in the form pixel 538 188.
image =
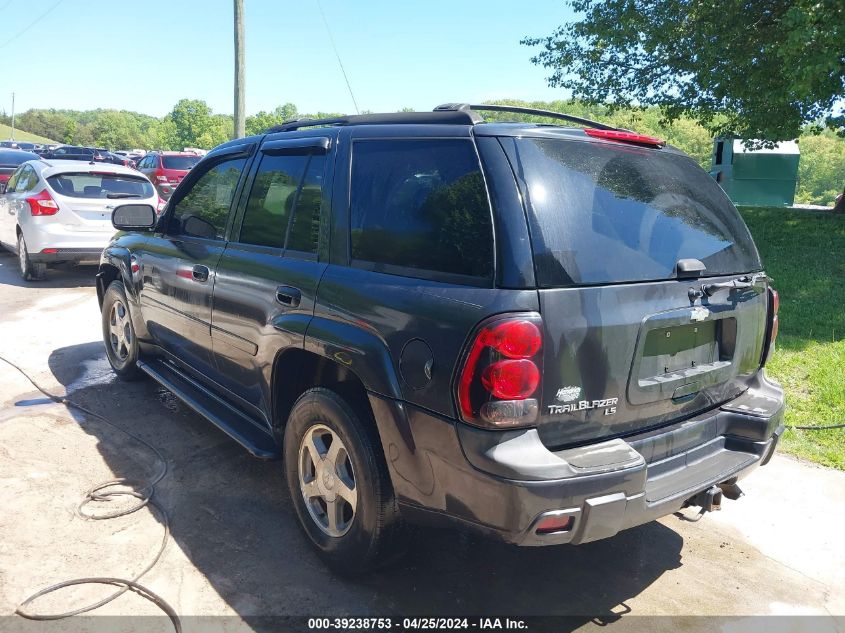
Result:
pixel 804 252
pixel 6 133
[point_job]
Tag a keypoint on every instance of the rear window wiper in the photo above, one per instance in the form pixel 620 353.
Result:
pixel 113 196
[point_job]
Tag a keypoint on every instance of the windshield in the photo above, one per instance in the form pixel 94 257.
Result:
pixel 180 162
pixel 88 185
pixel 601 214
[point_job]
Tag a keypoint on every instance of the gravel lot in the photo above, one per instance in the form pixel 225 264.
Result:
pixel 236 549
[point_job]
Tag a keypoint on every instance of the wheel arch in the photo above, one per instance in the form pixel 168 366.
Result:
pixel 295 370
pixel 115 264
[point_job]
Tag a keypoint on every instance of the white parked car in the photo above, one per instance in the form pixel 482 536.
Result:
pixel 60 210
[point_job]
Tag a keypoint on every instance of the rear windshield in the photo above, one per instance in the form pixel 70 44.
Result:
pixel 604 214
pixel 180 162
pixel 112 186
pixel 15 157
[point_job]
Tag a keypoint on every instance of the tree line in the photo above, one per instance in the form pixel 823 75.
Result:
pixel 192 123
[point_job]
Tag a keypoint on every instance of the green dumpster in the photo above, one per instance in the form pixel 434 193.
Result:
pixel 756 177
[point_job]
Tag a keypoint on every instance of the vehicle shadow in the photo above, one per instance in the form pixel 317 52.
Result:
pixel 231 516
pixel 58 276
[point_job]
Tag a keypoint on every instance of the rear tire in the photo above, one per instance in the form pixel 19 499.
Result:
pixel 119 333
pixel 339 484
pixel 30 270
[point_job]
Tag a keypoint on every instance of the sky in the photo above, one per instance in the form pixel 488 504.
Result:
pixel 145 55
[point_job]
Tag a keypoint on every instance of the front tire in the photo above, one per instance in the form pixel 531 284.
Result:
pixel 30 270
pixel 339 485
pixel 119 333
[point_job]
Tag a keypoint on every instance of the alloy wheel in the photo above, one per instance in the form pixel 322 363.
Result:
pixel 327 480
pixel 120 330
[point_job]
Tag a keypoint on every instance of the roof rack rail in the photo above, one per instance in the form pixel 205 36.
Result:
pixel 296 124
pixel 465 107
pixel 444 117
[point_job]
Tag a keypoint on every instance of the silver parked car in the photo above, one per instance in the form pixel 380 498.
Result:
pixel 60 210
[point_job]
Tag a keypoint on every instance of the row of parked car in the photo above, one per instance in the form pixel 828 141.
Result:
pixel 56 202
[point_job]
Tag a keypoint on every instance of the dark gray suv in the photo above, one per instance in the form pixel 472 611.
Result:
pixel 547 334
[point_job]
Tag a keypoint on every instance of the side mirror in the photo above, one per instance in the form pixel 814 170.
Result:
pixel 134 217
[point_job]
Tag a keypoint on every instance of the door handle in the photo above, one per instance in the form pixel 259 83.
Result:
pixel 200 273
pixel 288 296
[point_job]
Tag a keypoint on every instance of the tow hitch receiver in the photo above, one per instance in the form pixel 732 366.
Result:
pixel 708 500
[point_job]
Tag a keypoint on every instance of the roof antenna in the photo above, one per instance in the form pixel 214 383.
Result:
pixel 340 63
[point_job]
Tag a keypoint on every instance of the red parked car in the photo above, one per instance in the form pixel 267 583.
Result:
pixel 166 169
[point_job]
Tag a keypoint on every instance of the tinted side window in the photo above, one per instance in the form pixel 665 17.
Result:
pixel 421 204
pixel 26 180
pixel 285 202
pixel 204 209
pixel 271 200
pixel 13 181
pixel 305 228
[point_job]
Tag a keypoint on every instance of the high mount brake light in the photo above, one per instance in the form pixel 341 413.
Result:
pixel 626 137
pixel 501 373
pixel 42 204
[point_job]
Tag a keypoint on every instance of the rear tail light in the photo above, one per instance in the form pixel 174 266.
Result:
pixel 774 323
pixel 499 383
pixel 625 137
pixel 42 204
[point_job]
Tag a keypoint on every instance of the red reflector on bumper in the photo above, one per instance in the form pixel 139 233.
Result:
pixel 50 251
pixel 551 524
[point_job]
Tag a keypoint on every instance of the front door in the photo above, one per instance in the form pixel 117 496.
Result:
pixel 178 264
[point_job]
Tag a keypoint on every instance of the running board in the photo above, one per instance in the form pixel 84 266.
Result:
pixel 227 418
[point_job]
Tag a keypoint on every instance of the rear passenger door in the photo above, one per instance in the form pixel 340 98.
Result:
pixel 412 260
pixel 17 193
pixel 267 276
pixel 178 263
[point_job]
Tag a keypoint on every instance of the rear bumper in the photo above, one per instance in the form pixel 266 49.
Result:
pixel 78 255
pixel 503 483
pixel 70 245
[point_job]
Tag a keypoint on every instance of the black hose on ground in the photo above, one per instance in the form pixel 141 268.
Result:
pixel 105 492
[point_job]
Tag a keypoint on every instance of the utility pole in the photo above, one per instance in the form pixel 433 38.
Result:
pixel 13 116
pixel 240 121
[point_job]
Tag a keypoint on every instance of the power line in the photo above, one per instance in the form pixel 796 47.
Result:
pixel 340 63
pixel 31 24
